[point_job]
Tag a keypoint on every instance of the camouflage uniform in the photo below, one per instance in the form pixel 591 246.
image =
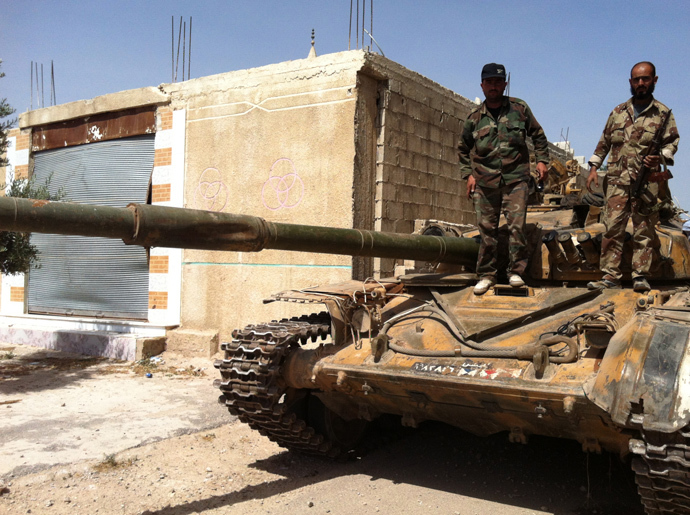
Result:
pixel 500 165
pixel 626 140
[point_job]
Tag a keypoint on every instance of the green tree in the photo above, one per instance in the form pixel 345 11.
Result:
pixel 5 111
pixel 17 254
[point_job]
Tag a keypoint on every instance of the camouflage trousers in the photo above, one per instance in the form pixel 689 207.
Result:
pixel 618 208
pixel 488 205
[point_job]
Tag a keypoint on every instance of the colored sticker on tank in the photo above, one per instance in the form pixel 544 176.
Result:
pixel 467 368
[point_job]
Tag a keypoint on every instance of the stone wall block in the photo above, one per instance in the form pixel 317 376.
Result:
pixel 451 153
pixel 411 178
pixel 426 210
pixel 421 196
pixel 450 169
pixel 435 134
pixel 397 138
pixel 404 194
pixel 394 210
pixel 421 129
pixel 407 124
pixel 406 159
pixel 433 182
pixel 427 116
pixel 452 124
pixel 398 175
pixel 410 212
pixel 425 180
pixel 414 144
pixel 414 109
pixel 436 149
pixel 416 92
pixel 397 104
pixel 434 167
pixel 424 147
pixel 448 199
pixel 405 226
pixel 437 102
pixel 420 163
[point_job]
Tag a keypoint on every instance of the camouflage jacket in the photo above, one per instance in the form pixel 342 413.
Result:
pixel 498 148
pixel 627 141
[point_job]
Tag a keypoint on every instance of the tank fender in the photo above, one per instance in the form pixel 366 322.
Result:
pixel 644 377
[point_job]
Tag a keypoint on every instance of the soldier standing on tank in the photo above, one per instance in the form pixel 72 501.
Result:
pixel 494 138
pixel 626 139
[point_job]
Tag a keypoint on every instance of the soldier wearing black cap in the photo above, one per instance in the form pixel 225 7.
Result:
pixel 494 159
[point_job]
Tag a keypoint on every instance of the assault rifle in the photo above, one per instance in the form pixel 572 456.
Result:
pixel 639 188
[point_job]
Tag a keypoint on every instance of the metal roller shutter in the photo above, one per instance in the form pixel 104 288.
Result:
pixel 93 276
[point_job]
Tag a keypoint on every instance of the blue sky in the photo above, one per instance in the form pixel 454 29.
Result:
pixel 570 60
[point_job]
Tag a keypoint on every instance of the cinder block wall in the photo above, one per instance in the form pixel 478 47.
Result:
pixel 417 175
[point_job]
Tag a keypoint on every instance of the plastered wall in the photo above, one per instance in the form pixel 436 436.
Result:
pixel 276 142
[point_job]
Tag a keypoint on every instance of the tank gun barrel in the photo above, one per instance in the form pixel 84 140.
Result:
pixel 161 226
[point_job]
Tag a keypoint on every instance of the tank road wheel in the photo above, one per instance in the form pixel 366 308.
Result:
pixel 662 472
pixel 253 389
pixel 331 431
pixel 346 434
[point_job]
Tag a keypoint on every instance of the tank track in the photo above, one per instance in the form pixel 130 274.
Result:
pixel 662 472
pixel 254 391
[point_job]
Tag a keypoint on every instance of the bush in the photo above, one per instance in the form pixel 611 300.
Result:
pixel 17 254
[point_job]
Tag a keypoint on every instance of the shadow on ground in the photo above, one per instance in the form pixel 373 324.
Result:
pixel 549 474
pixel 39 370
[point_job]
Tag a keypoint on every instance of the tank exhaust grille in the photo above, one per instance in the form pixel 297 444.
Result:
pixel 509 291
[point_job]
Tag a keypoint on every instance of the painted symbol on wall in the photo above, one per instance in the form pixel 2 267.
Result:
pixel 284 189
pixel 211 193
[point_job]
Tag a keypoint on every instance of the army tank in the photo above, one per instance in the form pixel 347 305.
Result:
pixel 607 368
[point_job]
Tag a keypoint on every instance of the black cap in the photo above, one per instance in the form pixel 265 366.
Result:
pixel 493 70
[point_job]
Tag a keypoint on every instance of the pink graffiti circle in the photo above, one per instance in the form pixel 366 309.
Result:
pixel 211 193
pixel 282 191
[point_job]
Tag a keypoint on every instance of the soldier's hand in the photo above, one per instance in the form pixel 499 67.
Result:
pixel 471 185
pixel 592 177
pixel 652 161
pixel 542 170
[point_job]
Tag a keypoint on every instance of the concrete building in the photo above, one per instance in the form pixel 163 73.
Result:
pixel 350 139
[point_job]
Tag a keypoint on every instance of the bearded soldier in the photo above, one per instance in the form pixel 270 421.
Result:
pixel 627 138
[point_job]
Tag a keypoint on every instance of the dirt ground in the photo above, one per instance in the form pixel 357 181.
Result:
pixel 84 435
